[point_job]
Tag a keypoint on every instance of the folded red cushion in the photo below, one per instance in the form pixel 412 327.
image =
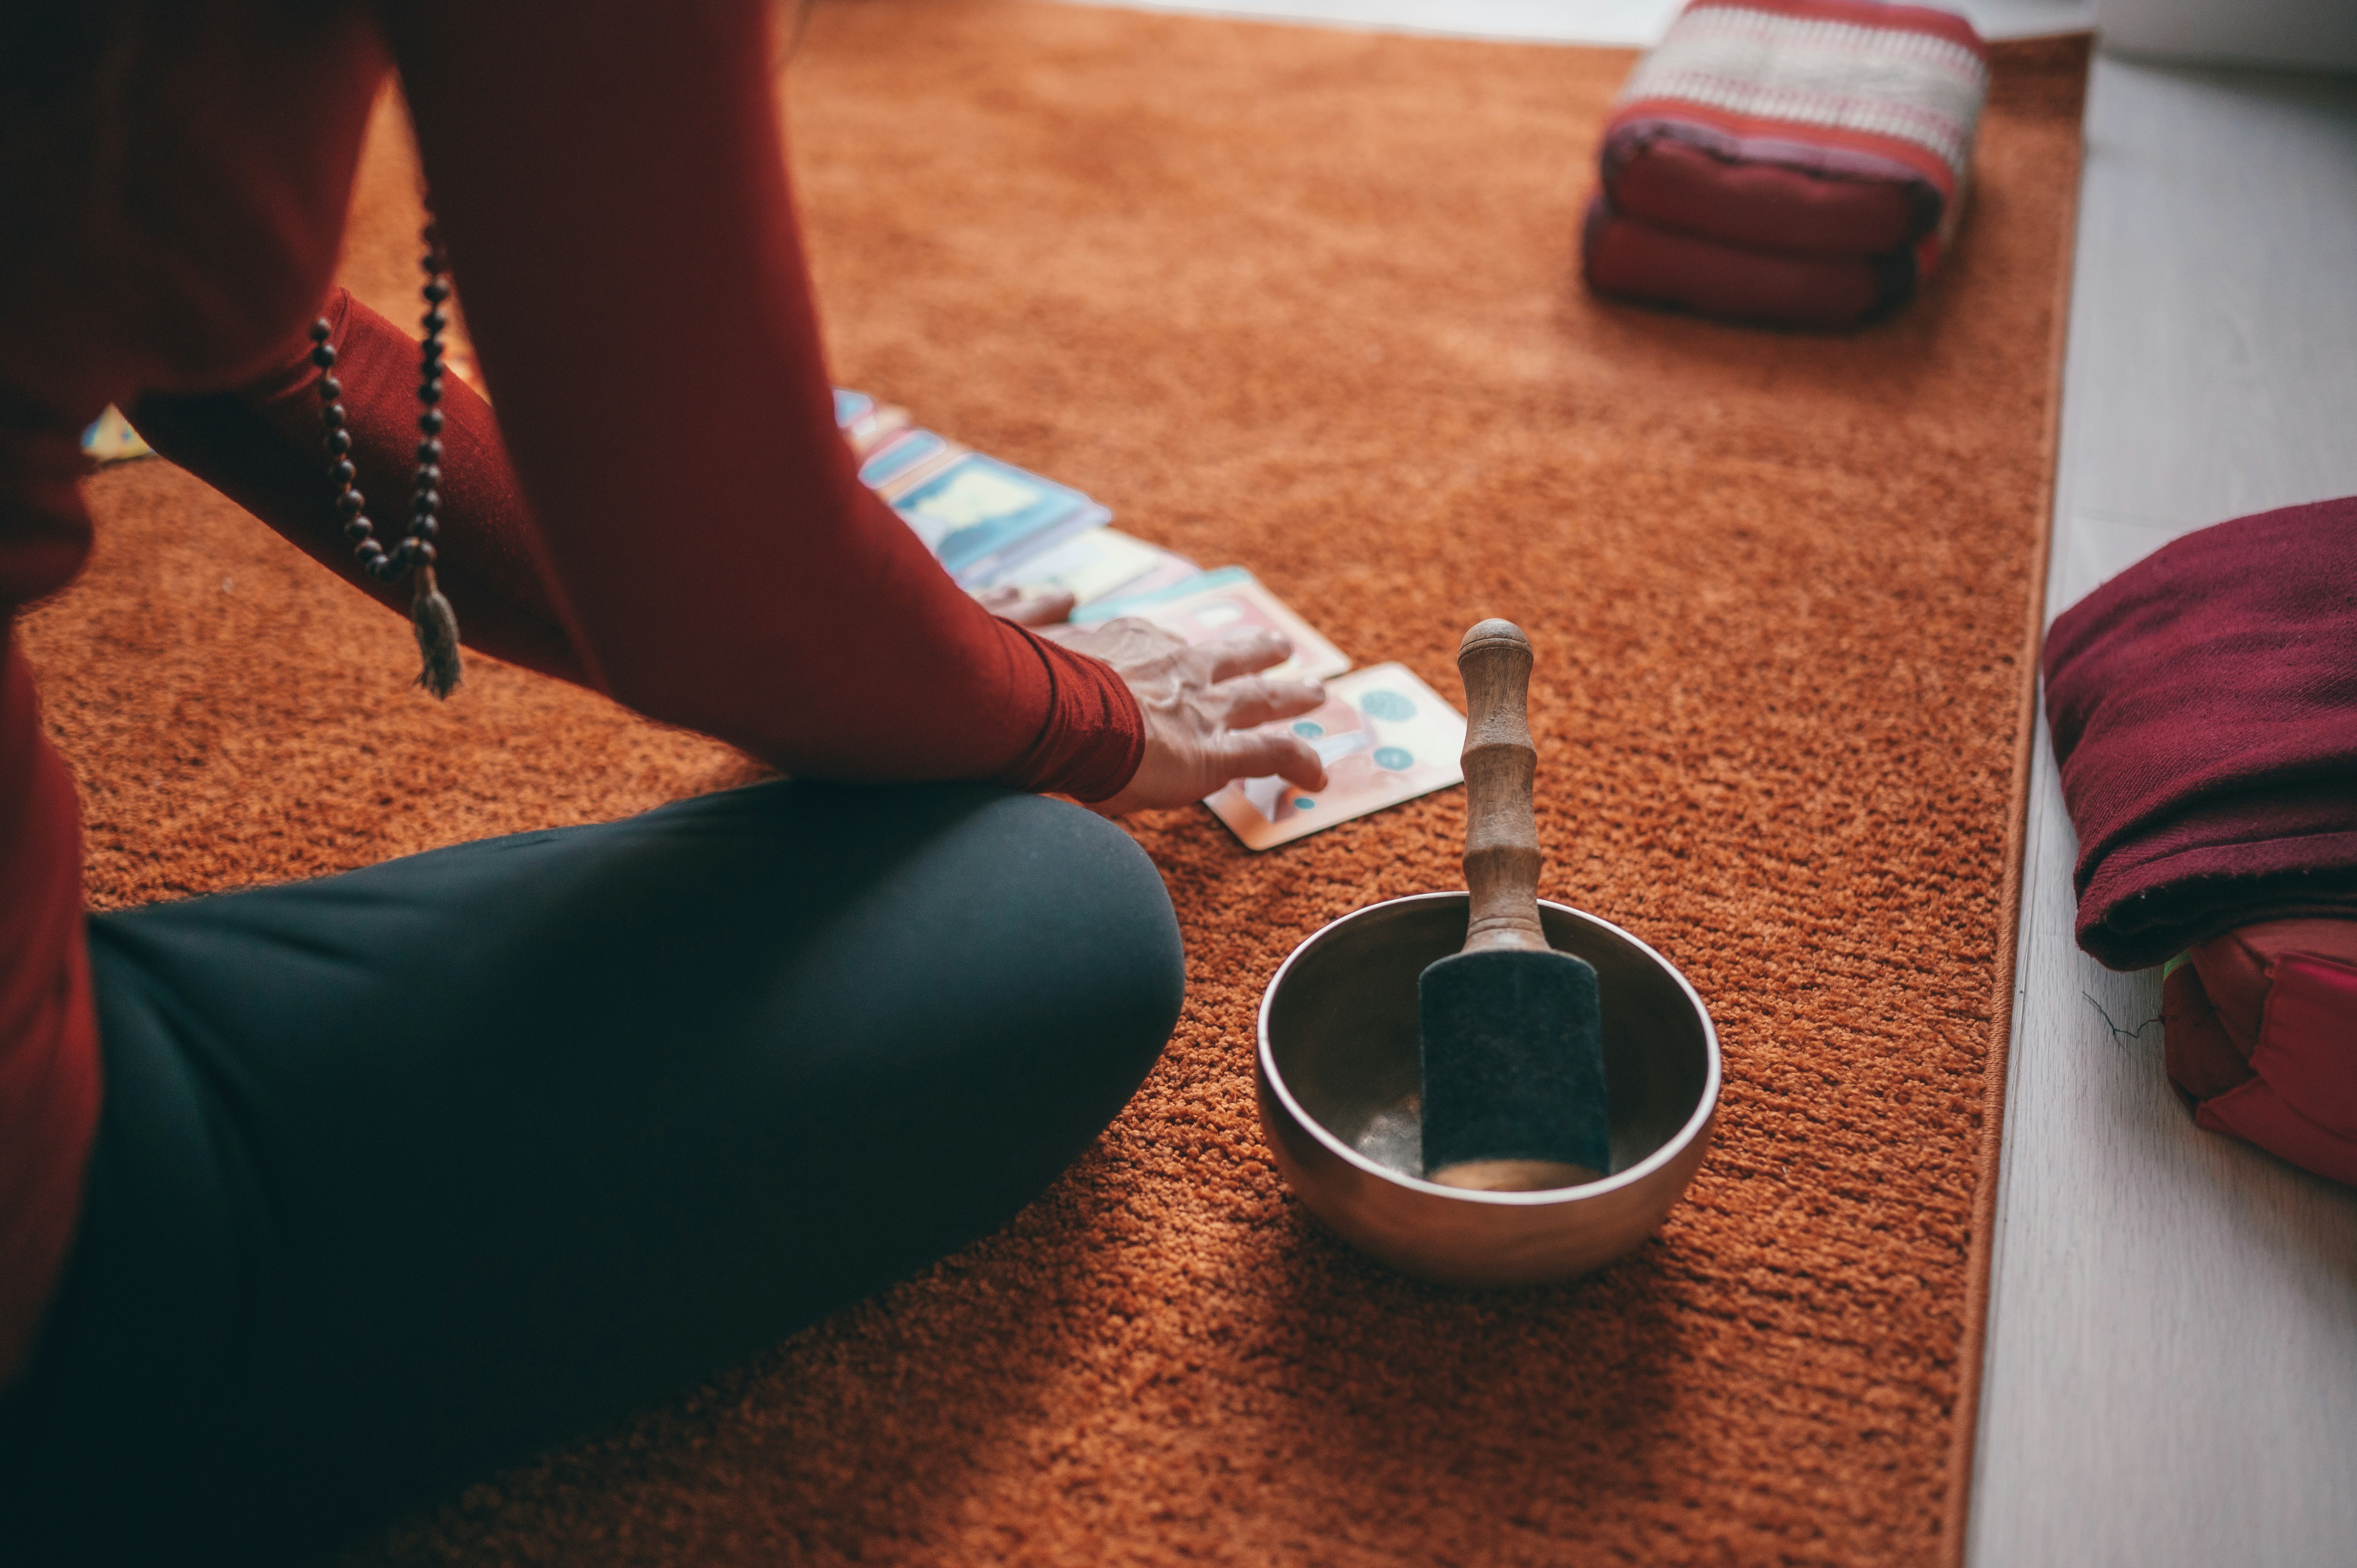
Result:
pixel 2204 705
pixel 2262 1039
pixel 1787 129
pixel 1644 262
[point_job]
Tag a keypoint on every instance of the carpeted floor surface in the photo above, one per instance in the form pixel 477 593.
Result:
pixel 1306 300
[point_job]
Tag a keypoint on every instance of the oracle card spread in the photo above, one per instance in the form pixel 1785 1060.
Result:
pixel 979 516
pixel 1385 737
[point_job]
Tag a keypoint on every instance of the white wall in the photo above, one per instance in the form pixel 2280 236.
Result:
pixel 1628 22
pixel 2304 35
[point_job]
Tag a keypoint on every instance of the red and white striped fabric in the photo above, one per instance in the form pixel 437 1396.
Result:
pixel 1799 161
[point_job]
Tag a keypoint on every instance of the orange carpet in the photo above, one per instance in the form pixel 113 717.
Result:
pixel 1307 300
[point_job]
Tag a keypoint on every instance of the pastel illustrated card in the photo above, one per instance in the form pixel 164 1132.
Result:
pixel 1385 737
pixel 865 423
pixel 1168 568
pixel 979 515
pixel 905 458
pixel 1089 565
pixel 872 430
pixel 1217 603
pixel 111 439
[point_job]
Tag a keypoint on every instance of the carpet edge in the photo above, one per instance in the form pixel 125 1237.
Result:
pixel 1964 1437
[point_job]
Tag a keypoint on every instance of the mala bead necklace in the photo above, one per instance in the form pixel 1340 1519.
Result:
pixel 429 612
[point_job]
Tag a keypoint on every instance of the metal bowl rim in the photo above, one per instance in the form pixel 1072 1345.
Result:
pixel 1669 1151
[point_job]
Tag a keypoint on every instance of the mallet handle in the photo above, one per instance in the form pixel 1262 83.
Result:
pixel 1501 840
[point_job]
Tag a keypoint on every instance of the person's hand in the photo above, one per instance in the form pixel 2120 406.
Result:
pixel 1203 707
pixel 1037 610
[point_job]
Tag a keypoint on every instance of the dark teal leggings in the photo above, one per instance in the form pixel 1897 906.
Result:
pixel 407 1173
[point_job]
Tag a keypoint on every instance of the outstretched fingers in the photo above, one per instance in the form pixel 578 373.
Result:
pixel 1255 699
pixel 1242 652
pixel 1257 753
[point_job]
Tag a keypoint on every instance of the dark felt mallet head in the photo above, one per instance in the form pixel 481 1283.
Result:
pixel 1512 1031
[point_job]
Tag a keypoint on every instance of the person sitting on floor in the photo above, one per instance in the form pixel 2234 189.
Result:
pixel 315 1200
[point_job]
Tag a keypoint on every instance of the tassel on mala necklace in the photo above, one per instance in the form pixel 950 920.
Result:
pixel 429 612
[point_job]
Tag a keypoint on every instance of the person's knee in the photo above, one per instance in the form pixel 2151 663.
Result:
pixel 1127 969
pixel 1021 949
pixel 1060 955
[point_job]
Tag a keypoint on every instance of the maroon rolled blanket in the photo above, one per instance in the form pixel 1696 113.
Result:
pixel 2204 712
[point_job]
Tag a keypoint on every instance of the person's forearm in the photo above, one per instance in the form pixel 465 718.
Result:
pixel 620 229
pixel 262 446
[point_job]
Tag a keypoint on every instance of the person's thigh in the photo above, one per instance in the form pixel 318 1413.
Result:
pixel 406 1171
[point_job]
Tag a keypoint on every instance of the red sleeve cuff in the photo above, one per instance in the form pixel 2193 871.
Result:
pixel 1093 737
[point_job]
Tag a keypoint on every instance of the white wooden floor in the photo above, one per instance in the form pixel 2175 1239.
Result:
pixel 2171 1366
pixel 2170 1377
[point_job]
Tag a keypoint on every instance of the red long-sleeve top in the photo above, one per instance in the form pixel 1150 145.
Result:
pixel 663 511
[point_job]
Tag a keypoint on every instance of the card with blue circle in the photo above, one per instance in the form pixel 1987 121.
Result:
pixel 111 439
pixel 1384 738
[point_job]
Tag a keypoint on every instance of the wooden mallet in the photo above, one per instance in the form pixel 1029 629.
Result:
pixel 1512 1031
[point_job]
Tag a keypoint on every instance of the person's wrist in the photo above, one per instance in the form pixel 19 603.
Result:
pixel 1091 741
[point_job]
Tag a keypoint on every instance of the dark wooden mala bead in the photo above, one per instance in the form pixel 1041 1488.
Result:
pixel 429 612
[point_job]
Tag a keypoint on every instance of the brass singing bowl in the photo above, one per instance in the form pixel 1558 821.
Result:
pixel 1340 1086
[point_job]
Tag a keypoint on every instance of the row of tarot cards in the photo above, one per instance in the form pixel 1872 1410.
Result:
pixel 1385 736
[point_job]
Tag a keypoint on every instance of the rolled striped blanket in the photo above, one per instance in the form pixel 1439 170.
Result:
pixel 1801 162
